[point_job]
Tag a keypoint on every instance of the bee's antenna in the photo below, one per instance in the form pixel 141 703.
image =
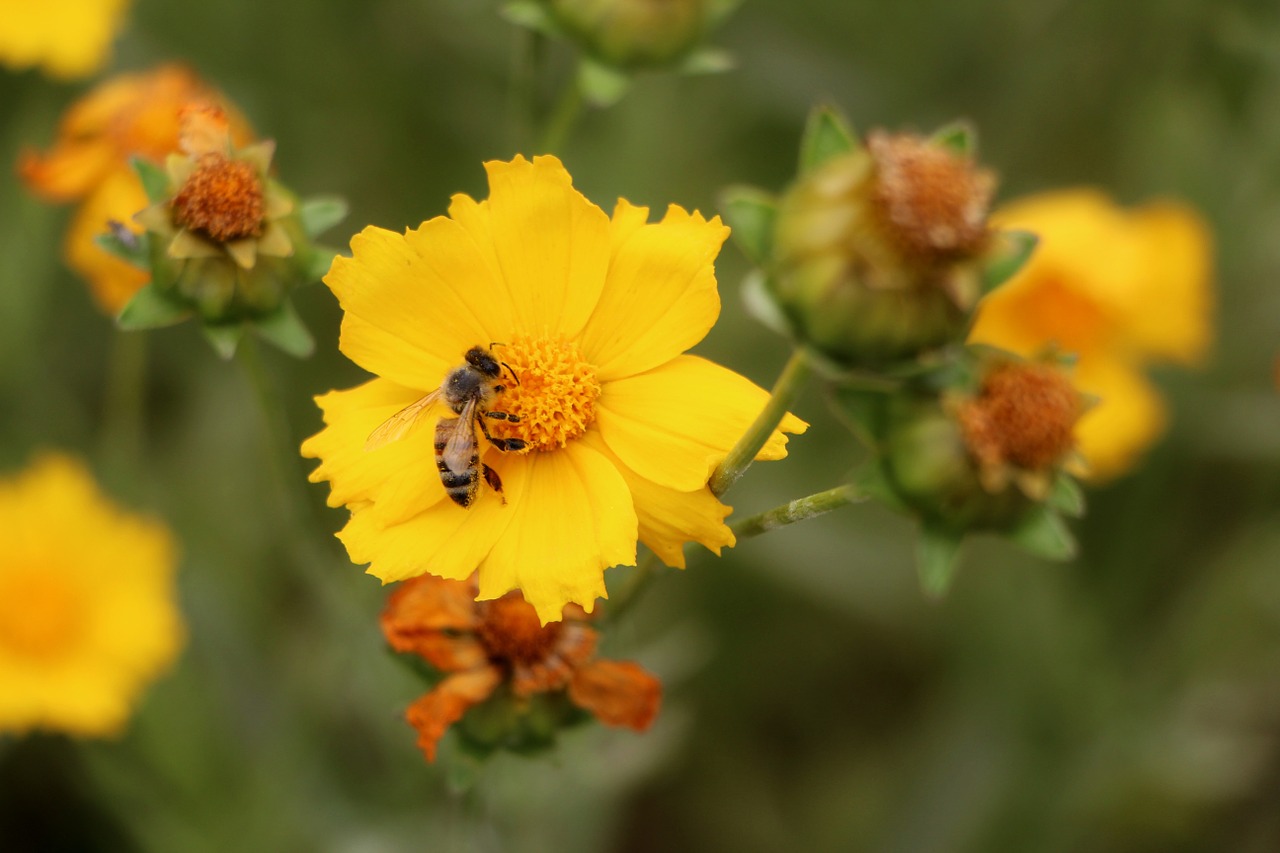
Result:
pixel 512 372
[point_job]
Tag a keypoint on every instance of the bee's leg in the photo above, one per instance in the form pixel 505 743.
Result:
pixel 502 416
pixel 495 482
pixel 503 444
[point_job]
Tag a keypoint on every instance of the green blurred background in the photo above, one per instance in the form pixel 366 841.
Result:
pixel 1129 701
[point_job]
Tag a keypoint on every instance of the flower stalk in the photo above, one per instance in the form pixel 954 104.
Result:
pixel 799 509
pixel 785 390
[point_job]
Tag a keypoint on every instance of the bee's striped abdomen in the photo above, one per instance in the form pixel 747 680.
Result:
pixel 460 486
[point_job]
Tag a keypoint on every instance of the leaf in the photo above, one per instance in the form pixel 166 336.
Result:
pixel 1067 496
pixel 760 304
pixel 601 85
pixel 937 556
pixel 321 213
pixel 318 262
pixel 960 137
pixel 708 60
pixel 1044 534
pixel 751 213
pixel 151 309
pixel 1011 255
pixel 224 337
pixel 826 135
pixel 285 329
pixel 155 180
pixel 718 10
pixel 128 246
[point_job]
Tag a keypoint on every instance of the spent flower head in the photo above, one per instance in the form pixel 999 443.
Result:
pixel 127 116
pixel 575 427
pixel 1120 289
pixel 88 613
pixel 511 681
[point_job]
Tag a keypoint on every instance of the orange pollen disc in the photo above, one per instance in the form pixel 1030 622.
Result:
pixel 933 201
pixel 222 200
pixel 42 615
pixel 511 632
pixel 555 399
pixel 1025 415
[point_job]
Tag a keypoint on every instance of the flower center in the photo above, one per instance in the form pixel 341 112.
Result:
pixel 510 631
pixel 555 400
pixel 1025 414
pixel 222 199
pixel 42 616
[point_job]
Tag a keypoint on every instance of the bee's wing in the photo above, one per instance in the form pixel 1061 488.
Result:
pixel 460 446
pixel 398 425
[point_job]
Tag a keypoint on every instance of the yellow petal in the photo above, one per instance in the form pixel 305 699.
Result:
pixel 244 252
pixel 660 296
pixel 69 38
pixel 571 518
pixel 445 540
pixel 550 242
pixel 399 478
pixel 1176 320
pixel 674 424
pixel 668 518
pixel 415 303
pixel 113 281
pixel 258 155
pixel 1129 417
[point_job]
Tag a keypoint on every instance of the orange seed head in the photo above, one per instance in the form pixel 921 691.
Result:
pixel 222 199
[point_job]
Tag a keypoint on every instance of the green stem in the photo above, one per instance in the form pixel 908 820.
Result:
pixel 283 455
pixel 566 111
pixel 122 415
pixel 797 510
pixel 785 390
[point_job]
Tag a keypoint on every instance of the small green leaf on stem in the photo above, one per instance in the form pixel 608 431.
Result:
pixel 150 309
pixel 961 137
pixel 752 214
pixel 321 213
pixel 1044 534
pixel 826 135
pixel 937 555
pixel 1011 254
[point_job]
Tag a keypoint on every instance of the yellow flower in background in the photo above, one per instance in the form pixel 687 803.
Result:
pixel 131 115
pixel 87 603
pixel 1121 289
pixel 589 317
pixel 66 38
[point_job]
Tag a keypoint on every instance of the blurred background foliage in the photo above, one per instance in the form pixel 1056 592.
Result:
pixel 1129 701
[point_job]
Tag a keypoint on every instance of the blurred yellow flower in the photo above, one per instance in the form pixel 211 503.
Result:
pixel 1119 288
pixel 131 115
pixel 67 38
pixel 87 609
pixel 620 429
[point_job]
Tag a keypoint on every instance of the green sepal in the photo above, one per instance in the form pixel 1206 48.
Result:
pixel 960 137
pixel 870 480
pixel 761 305
pixel 223 337
pixel 861 410
pixel 155 180
pixel 937 556
pixel 318 262
pixel 601 85
pixel 752 214
pixel 284 329
pixel 321 213
pixel 708 60
pixel 124 244
pixel 1011 254
pixel 150 308
pixel 531 15
pixel 1043 533
pixel 826 135
pixel 1067 497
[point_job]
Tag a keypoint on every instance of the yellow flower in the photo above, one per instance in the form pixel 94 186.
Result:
pixel 68 38
pixel 87 611
pixel 131 115
pixel 590 317
pixel 1121 289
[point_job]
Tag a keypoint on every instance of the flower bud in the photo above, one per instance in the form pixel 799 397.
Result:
pixel 634 33
pixel 880 251
pixel 988 448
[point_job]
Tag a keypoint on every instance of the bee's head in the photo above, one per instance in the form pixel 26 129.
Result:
pixel 484 362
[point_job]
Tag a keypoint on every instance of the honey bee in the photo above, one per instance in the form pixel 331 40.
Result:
pixel 469 390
